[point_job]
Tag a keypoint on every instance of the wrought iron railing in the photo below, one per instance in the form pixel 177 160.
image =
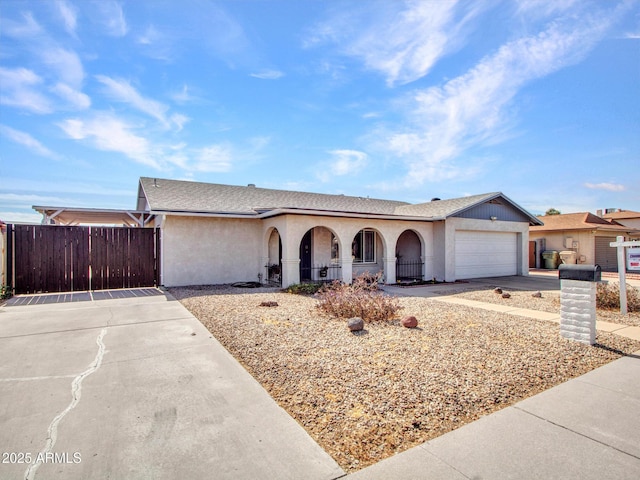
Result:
pixel 409 270
pixel 321 273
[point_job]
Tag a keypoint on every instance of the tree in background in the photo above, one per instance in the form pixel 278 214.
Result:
pixel 552 211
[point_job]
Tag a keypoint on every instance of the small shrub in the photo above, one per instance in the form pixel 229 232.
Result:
pixel 304 288
pixel 608 297
pixel 361 299
pixel 6 292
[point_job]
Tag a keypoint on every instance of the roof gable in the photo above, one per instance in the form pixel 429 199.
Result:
pixel 483 206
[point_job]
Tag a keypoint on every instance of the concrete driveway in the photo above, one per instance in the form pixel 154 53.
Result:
pixel 137 388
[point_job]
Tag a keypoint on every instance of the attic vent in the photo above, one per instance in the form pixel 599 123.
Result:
pixel 251 185
pixel 495 202
pixel 155 183
pixel 435 199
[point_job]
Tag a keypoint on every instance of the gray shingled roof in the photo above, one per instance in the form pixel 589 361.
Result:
pixel 185 196
pixel 182 196
pixel 444 208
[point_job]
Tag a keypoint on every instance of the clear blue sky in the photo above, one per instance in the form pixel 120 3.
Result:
pixel 398 100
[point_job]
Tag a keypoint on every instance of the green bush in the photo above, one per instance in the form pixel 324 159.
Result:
pixel 608 297
pixel 361 299
pixel 6 292
pixel 304 288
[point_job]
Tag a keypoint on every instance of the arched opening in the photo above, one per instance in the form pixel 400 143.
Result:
pixel 409 262
pixel 367 252
pixel 273 267
pixel 319 256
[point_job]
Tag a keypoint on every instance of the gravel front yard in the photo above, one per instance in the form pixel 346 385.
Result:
pixel 364 397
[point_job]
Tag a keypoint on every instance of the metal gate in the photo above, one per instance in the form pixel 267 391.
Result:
pixel 52 258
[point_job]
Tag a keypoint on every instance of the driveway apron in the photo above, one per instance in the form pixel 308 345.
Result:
pixel 137 388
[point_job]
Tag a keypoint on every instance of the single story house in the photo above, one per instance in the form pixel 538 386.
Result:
pixel 215 234
pixel 586 234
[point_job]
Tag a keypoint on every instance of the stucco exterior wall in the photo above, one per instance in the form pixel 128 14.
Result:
pixel 202 250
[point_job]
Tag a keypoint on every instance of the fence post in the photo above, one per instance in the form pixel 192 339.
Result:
pixel 10 276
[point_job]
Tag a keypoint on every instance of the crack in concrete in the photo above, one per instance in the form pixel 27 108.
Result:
pixel 76 393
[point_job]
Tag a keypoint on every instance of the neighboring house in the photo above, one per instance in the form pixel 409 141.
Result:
pixel 584 233
pixel 214 234
pixel 627 218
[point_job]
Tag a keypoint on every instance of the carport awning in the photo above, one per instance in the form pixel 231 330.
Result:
pixel 95 216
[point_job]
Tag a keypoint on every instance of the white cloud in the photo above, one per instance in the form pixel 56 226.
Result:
pixel 267 75
pixel 543 8
pixel 19 90
pixel 75 98
pixel 28 200
pixel 20 217
pixel 107 132
pixel 403 45
pixel 121 90
pixel 611 187
pixel 69 16
pixel 112 18
pixel 474 108
pixel 65 63
pixel 26 140
pixel 29 29
pixel 214 158
pixel 342 162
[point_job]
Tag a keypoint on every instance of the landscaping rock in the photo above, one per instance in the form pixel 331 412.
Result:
pixel 537 295
pixel 355 324
pixel 409 321
pixel 506 295
pixel 498 290
pixel 269 304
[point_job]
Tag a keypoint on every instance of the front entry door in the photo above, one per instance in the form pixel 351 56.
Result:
pixel 305 257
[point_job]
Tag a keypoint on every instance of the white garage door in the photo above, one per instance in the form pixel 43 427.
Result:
pixel 486 254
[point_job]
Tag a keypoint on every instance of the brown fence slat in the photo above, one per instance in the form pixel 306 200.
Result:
pixel 51 258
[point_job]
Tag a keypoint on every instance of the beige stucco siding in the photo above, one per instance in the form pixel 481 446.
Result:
pixel 201 250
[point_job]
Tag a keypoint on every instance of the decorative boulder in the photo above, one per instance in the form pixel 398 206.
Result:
pixel 355 324
pixel 409 321
pixel 498 290
pixel 506 295
pixel 537 295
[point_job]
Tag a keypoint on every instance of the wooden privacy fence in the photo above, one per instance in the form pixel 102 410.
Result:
pixel 48 258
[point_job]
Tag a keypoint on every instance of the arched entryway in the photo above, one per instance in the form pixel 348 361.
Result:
pixel 320 256
pixel 273 267
pixel 409 260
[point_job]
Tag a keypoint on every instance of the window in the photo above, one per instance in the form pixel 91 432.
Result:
pixel 335 249
pixel 363 247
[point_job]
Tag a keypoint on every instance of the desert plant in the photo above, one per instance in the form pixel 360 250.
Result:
pixel 361 299
pixel 608 297
pixel 303 288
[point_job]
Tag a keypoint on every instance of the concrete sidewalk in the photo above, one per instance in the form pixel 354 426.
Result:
pixel 137 388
